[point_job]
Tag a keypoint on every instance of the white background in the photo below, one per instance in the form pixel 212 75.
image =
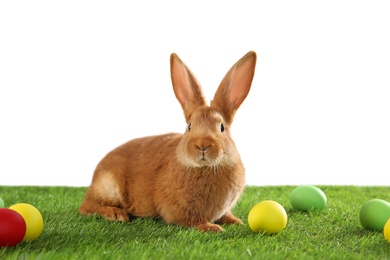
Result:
pixel 78 78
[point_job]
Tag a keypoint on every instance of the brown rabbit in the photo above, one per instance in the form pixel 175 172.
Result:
pixel 192 179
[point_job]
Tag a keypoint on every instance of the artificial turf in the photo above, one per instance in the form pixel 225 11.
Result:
pixel 332 233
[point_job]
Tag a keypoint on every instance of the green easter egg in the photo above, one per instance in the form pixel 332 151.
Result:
pixel 307 197
pixel 374 214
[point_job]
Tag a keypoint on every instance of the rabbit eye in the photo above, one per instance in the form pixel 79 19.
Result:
pixel 189 127
pixel 222 128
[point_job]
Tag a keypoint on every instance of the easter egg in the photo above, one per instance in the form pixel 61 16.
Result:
pixel 386 230
pixel 12 227
pixel 307 197
pixel 1 203
pixel 267 217
pixel 33 218
pixel 374 214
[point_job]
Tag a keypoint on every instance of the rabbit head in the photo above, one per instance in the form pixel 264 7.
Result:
pixel 207 140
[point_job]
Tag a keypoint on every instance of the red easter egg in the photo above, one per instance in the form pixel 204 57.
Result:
pixel 12 227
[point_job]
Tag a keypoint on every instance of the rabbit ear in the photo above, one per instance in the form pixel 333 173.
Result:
pixel 235 86
pixel 186 87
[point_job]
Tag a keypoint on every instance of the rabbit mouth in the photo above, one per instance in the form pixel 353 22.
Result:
pixel 205 159
pixel 200 160
pixel 207 154
pixel 198 154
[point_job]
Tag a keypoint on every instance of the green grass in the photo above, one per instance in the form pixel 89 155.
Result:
pixel 333 233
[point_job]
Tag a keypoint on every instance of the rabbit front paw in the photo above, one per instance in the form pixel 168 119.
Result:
pixel 209 227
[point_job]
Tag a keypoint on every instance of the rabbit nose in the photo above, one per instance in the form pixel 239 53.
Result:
pixel 202 149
